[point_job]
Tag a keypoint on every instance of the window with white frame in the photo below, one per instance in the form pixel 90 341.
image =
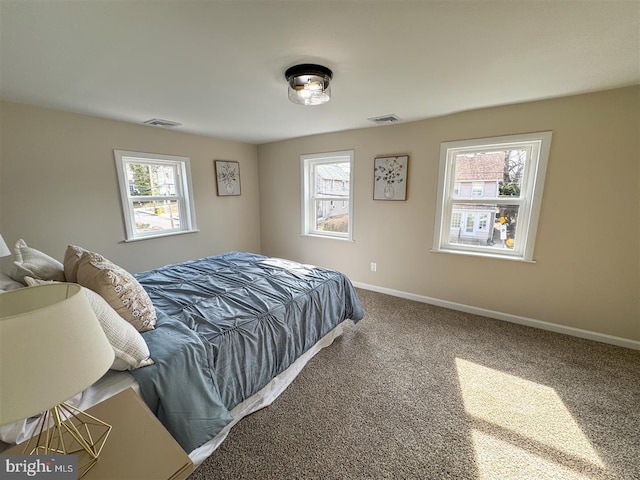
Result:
pixel 156 194
pixel 500 221
pixel 477 189
pixel 327 191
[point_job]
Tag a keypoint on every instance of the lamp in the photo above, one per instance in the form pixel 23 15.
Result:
pixel 52 348
pixel 4 250
pixel 309 84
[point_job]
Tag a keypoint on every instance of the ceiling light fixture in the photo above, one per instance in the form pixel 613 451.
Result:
pixel 309 84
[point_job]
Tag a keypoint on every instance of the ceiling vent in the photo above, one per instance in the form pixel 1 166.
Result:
pixel 385 119
pixel 158 122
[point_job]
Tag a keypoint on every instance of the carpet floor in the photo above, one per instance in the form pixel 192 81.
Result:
pixel 416 391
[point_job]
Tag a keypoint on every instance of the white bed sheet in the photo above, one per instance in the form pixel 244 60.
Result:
pixel 114 382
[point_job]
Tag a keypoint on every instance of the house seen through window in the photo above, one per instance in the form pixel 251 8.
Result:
pixel 327 189
pixel 156 194
pixel 489 196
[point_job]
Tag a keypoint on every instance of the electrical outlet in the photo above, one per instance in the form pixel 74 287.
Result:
pixel 374 266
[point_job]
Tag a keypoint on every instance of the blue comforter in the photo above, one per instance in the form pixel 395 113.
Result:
pixel 226 326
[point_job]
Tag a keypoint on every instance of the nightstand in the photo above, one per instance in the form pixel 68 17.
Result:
pixel 138 447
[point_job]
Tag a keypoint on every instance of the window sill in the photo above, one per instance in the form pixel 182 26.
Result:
pixel 159 235
pixel 329 237
pixel 483 255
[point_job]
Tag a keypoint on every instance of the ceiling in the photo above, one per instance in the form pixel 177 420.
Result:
pixel 217 67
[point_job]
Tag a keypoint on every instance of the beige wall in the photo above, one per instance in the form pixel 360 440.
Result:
pixel 58 185
pixel 587 270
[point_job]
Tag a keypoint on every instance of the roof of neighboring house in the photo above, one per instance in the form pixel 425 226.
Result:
pixel 488 167
pixel 332 172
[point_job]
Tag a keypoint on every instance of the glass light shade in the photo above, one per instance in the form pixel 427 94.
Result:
pixel 309 84
pixel 311 93
pixel 51 348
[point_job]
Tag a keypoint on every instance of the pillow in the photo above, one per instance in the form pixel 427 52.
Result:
pixel 130 349
pixel 7 283
pixel 119 288
pixel 33 263
pixel 71 258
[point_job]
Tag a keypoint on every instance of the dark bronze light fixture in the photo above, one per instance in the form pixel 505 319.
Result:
pixel 309 84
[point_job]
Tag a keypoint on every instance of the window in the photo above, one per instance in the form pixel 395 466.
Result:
pixel 497 214
pixel 477 189
pixel 156 194
pixel 456 219
pixel 327 189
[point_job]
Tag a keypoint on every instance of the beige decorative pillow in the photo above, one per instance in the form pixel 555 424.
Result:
pixel 130 349
pixel 30 262
pixel 71 258
pixel 119 288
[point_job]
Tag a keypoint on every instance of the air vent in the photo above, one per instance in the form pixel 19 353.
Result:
pixel 384 119
pixel 158 122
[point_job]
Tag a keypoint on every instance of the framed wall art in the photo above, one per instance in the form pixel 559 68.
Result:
pixel 227 177
pixel 390 177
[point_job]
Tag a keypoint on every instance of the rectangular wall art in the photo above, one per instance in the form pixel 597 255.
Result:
pixel 390 177
pixel 227 177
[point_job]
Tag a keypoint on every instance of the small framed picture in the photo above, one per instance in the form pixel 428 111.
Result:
pixel 227 177
pixel 390 177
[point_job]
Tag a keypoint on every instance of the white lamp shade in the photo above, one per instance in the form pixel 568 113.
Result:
pixel 51 348
pixel 4 250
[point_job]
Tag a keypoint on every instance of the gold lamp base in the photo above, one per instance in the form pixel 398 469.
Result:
pixel 66 430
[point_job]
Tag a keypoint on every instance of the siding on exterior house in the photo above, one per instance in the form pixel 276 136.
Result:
pixel 477 175
pixel 333 181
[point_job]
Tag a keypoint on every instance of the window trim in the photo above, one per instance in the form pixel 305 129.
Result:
pixel 184 193
pixel 308 201
pixel 529 202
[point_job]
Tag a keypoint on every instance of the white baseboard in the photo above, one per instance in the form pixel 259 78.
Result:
pixel 530 322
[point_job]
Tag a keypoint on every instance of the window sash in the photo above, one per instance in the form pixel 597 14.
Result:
pixel 314 191
pixel 527 204
pixel 182 197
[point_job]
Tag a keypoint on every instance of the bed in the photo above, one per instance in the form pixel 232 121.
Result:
pixel 232 331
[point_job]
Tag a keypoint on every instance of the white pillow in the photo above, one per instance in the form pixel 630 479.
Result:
pixel 34 263
pixel 130 349
pixel 7 283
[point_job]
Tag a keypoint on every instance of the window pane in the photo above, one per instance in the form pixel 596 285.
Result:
pixel 332 216
pixel 477 189
pixel 484 225
pixel 489 174
pixel 456 218
pixel 469 220
pixel 507 221
pixel 332 179
pixel 151 180
pixel 483 221
pixel 156 216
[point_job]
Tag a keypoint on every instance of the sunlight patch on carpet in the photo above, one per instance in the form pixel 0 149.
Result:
pixel 503 460
pixel 530 413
